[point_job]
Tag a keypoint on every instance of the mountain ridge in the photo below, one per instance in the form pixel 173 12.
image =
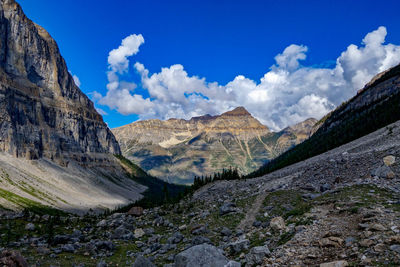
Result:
pixel 203 144
pixel 374 106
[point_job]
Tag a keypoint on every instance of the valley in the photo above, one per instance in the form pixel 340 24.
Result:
pixel 74 192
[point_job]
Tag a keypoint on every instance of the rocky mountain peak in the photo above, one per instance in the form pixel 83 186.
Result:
pixel 239 111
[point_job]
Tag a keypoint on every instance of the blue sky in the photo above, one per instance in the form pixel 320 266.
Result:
pixel 221 41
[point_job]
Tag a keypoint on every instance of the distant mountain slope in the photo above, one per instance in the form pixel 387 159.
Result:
pixel 177 149
pixel 374 106
pixel 46 118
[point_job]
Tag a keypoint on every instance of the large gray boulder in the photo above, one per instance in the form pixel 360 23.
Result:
pixel 142 262
pixel 257 255
pixel 203 255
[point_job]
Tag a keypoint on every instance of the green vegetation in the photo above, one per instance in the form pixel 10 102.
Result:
pixel 285 203
pixel 359 196
pixel 226 174
pixel 28 204
pixel 352 124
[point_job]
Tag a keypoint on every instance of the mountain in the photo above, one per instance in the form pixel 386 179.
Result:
pixel 55 148
pixel 375 106
pixel 178 149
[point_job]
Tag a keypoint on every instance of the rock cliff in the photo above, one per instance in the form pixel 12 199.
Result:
pixel 43 112
pixel 55 149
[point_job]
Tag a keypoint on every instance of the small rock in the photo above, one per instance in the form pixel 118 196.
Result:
pixel 380 247
pixel 325 187
pixel 389 160
pixel 139 233
pixel 68 248
pixel 101 263
pixel 395 239
pixel 239 245
pixel 377 227
pixel 30 227
pixel 395 248
pixel 226 231
pixel 366 243
pixel 334 264
pixel 257 224
pixel 226 208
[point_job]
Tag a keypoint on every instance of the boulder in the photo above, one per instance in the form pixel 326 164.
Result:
pixel 389 160
pixel 226 231
pixel 377 227
pixel 135 211
pixel 201 256
pixel 383 172
pixel 12 258
pixel 257 255
pixel 278 223
pixel 334 264
pixel 232 264
pixel 325 187
pixel 139 233
pixel 142 262
pixel 176 238
pixel 226 208
pixel 239 246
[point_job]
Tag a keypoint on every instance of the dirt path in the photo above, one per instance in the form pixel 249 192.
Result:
pixel 272 185
pixel 247 222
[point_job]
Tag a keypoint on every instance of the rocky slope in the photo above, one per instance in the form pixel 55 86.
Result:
pixel 374 106
pixel 177 149
pixel 44 116
pixel 341 208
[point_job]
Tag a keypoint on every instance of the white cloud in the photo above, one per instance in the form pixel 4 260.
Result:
pixel 118 58
pixel 76 80
pixel 288 93
pixel 119 94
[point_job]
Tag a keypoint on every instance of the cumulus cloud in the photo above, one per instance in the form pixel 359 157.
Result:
pixel 76 80
pixel 119 93
pixel 287 93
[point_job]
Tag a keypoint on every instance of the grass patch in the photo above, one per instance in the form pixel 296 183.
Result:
pixel 28 204
pixel 285 203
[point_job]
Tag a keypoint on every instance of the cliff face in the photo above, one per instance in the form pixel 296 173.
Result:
pixel 42 112
pixel 55 149
pixel 177 150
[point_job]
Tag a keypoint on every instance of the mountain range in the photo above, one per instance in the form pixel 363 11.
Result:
pixel 177 150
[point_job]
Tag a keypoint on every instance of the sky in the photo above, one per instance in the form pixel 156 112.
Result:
pixel 284 61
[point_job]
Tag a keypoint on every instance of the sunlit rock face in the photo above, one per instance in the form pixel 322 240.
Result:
pixel 177 150
pixel 42 112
